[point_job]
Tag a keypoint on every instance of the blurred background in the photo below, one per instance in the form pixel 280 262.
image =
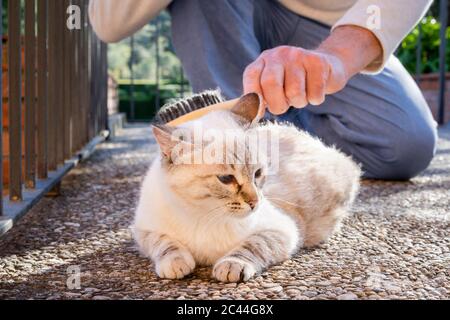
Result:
pixel 147 72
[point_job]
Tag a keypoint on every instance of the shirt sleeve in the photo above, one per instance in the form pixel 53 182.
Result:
pixel 114 20
pixel 389 20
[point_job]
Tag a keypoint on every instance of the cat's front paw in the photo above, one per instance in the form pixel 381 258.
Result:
pixel 176 265
pixel 233 270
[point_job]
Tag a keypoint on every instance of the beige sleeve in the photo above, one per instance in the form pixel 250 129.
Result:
pixel 389 20
pixel 114 20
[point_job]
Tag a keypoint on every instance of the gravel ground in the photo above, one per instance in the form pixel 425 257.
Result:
pixel 395 246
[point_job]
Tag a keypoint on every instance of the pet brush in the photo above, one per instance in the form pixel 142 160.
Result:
pixel 178 112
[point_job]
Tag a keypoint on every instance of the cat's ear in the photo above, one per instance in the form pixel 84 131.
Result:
pixel 164 136
pixel 173 142
pixel 250 107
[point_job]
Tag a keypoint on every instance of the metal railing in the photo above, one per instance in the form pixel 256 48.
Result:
pixel 55 105
pixel 443 7
pixel 158 79
pixel 443 20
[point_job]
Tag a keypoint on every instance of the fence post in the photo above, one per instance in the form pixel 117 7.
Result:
pixel 158 62
pixel 1 109
pixel 419 53
pixel 59 80
pixel 131 88
pixel 52 86
pixel 15 101
pixel 443 5
pixel 30 93
pixel 67 45
pixel 42 125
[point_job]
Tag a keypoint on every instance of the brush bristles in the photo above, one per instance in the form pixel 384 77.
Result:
pixel 173 110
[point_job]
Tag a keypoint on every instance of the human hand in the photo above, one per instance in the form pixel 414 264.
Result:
pixel 290 76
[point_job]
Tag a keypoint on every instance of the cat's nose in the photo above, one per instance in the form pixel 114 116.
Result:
pixel 252 203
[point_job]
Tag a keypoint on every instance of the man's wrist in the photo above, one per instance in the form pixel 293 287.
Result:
pixel 354 46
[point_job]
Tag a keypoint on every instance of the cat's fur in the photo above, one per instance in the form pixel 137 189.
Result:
pixel 187 217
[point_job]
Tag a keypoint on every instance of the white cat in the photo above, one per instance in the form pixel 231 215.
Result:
pixel 240 217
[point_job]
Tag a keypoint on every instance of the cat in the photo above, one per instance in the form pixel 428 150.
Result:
pixel 240 217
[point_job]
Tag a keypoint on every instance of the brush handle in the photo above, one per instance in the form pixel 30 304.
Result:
pixel 226 105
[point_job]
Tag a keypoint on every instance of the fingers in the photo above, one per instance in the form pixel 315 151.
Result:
pixel 317 74
pixel 288 76
pixel 272 84
pixel 295 86
pixel 252 77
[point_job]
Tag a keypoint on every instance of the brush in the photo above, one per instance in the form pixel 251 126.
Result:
pixel 193 107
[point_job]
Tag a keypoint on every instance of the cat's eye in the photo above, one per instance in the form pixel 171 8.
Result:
pixel 258 173
pixel 227 179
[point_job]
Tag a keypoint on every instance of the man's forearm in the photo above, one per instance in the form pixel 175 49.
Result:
pixel 356 47
pixel 114 20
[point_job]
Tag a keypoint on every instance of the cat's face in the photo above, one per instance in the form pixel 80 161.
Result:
pixel 215 190
pixel 230 187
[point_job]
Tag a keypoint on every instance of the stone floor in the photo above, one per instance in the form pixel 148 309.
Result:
pixel 396 245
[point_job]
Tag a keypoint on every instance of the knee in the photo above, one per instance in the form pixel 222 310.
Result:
pixel 411 152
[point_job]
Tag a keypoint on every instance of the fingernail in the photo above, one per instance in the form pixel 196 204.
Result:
pixel 297 103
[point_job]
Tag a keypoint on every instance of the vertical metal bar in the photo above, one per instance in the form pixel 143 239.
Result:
pixel 131 88
pixel 92 82
pixel 42 119
pixel 97 85
pixel 59 78
pixel 75 87
pixel 443 5
pixel 158 62
pixel 104 81
pixel 15 101
pixel 86 100
pixel 419 53
pixel 101 90
pixel 82 77
pixel 30 93
pixel 79 86
pixel 93 58
pixel 67 84
pixel 89 80
pixel 1 109
pixel 52 86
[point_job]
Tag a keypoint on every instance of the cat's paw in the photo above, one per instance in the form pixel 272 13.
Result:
pixel 176 265
pixel 233 270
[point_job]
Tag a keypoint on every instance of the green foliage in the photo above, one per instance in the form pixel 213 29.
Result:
pixel 145 98
pixel 430 47
pixel 145 69
pixel 145 64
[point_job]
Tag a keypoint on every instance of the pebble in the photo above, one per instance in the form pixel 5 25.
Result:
pixel 101 298
pixel 347 296
pixel 275 289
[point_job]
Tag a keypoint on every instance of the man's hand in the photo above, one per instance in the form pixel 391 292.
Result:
pixel 289 76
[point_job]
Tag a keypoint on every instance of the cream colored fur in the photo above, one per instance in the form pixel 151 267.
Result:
pixel 184 217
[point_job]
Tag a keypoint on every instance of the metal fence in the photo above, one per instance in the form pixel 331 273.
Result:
pixel 438 102
pixel 443 10
pixel 54 102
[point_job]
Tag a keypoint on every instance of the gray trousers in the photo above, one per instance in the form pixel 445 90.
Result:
pixel 381 120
